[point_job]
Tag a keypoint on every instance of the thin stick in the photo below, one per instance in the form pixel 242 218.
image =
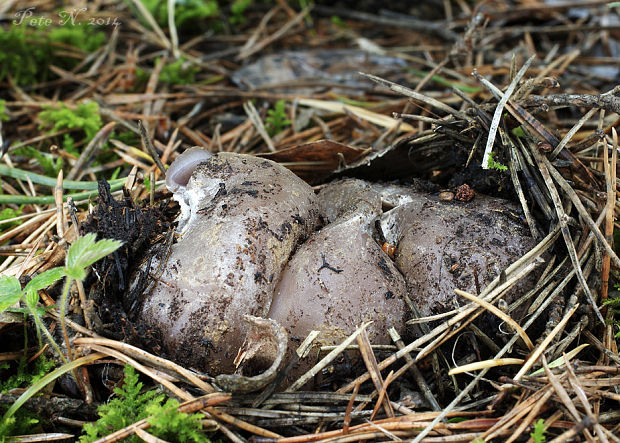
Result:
pixel 502 315
pixel 542 346
pixel 149 146
pixel 172 27
pixel 497 115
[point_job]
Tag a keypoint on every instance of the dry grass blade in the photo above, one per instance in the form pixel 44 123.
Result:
pixel 373 117
pixel 77 171
pixel 531 416
pixel 152 23
pixel 581 395
pixel 204 76
pixel 582 210
pixel 500 108
pixel 252 113
pixel 505 317
pixel 564 397
pixel 534 356
pixel 610 181
pixel 485 364
pixel 276 35
pixel 327 359
pixel 148 438
pixel 570 134
pixel 373 369
pixel 147 358
pixel 146 140
pixel 417 96
pixel 426 391
pixel 563 221
pixel 513 416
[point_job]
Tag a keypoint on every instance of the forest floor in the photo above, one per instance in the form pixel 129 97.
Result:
pixel 515 99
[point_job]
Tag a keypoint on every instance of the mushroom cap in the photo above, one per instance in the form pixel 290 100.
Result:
pixel 182 168
pixel 247 217
pixel 444 245
pixel 338 279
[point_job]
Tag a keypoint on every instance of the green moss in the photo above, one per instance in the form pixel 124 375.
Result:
pixel 613 303
pixel 171 425
pixel 7 213
pixel 495 164
pixel 50 165
pixel 3 115
pixel 85 38
pixel 26 53
pixel 184 10
pixel 85 116
pixel 132 405
pixel 22 423
pixel 539 432
pixel 24 376
pixel 180 72
pixel 27 374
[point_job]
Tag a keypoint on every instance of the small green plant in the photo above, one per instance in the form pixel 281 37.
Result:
pixel 131 405
pixel 8 213
pixel 3 114
pixel 539 432
pixel 85 116
pixel 24 56
pixel 496 165
pixel 180 72
pixel 169 424
pixel 82 37
pixel 184 10
pixel 518 132
pixel 276 118
pixel 25 375
pixel 21 423
pixel 81 254
pixel 50 165
pixel 237 9
pixel 337 21
pixel 26 53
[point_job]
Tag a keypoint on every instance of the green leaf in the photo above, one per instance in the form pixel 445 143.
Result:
pixel 42 281
pixel 276 118
pixel 85 251
pixel 539 432
pixel 10 291
pixel 518 131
